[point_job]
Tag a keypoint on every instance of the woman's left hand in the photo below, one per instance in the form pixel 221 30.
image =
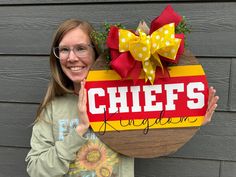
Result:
pixel 212 104
pixel 82 110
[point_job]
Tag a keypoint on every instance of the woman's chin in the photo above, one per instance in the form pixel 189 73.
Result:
pixel 77 78
pixel 77 81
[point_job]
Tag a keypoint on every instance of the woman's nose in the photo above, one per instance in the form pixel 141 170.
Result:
pixel 72 56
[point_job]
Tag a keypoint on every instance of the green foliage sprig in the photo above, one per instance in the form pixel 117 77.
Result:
pixel 101 37
pixel 183 27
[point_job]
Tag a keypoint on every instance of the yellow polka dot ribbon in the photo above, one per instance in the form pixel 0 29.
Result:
pixel 147 48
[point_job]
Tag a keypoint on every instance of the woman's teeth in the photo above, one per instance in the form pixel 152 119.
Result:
pixel 77 68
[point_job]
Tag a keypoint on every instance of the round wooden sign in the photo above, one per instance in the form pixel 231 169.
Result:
pixel 146 143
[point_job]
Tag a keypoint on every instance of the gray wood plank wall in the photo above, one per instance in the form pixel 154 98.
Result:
pixel 26 29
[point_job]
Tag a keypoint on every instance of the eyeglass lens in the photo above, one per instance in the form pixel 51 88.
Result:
pixel 80 50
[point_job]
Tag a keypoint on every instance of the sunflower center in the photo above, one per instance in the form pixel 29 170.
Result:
pixel 105 172
pixel 93 156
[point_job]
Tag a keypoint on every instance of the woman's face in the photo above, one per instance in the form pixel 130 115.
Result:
pixel 77 46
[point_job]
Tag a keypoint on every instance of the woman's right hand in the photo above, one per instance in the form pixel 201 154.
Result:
pixel 82 110
pixel 212 104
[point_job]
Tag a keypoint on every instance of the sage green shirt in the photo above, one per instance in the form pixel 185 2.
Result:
pixel 57 150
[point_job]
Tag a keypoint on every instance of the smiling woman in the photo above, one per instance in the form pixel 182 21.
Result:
pixel 62 143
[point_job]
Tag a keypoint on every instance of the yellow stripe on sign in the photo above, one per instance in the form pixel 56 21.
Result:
pixel 187 70
pixel 100 75
pixel 151 123
pixel 174 71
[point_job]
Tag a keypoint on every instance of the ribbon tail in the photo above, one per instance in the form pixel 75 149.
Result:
pixel 162 70
pixel 158 62
pixel 162 73
pixel 149 68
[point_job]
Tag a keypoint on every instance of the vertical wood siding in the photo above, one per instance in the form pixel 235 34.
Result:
pixel 26 29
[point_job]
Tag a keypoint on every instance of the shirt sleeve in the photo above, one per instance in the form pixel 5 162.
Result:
pixel 48 157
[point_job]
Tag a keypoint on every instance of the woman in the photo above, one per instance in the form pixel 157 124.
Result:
pixel 62 143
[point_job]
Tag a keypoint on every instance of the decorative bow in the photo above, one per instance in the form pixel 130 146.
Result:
pixel 147 48
pixel 131 53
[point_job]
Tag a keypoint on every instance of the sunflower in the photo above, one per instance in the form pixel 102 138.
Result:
pixel 104 170
pixel 91 155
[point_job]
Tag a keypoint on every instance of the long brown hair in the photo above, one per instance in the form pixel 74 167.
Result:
pixel 59 83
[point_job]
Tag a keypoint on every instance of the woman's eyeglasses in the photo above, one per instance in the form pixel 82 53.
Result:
pixel 80 50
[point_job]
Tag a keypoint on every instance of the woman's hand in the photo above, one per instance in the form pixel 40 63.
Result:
pixel 212 104
pixel 82 110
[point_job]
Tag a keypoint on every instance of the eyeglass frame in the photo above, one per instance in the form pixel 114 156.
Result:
pixel 70 49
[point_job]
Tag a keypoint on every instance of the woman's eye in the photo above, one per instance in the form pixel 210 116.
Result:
pixel 80 48
pixel 64 49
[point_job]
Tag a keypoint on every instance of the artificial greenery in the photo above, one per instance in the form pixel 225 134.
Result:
pixel 183 27
pixel 101 35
